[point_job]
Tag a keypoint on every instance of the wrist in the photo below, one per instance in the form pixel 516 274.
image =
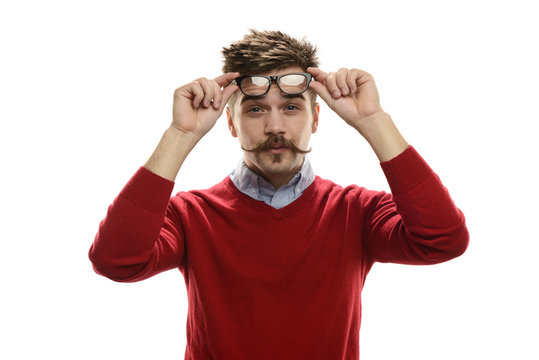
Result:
pixel 171 152
pixel 382 134
pixel 371 123
pixel 182 137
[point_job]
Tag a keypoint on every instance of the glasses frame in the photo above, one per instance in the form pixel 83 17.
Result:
pixel 277 79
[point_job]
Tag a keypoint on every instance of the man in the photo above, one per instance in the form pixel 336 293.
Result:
pixel 274 258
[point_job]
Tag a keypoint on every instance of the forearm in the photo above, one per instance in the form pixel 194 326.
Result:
pixel 383 136
pixel 170 153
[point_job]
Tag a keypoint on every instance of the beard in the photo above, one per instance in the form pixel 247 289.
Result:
pixel 276 158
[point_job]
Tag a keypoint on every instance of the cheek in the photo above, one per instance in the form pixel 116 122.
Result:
pixel 304 132
pixel 249 134
pixel 305 138
pixel 251 127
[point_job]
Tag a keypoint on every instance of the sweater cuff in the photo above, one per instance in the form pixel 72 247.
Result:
pixel 148 190
pixel 406 170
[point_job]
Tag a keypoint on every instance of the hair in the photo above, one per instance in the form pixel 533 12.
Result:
pixel 263 51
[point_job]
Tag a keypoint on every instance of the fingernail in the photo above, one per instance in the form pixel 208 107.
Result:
pixel 336 93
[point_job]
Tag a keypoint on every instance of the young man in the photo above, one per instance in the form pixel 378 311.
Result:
pixel 274 258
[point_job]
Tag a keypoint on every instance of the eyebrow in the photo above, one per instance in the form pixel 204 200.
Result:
pixel 283 96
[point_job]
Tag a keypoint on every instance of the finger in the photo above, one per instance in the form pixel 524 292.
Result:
pixel 225 79
pixel 208 91
pixel 363 77
pixel 331 83
pixel 351 80
pixel 197 93
pixel 340 79
pixel 217 95
pixel 318 74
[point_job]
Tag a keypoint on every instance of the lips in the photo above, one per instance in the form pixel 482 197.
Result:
pixel 277 149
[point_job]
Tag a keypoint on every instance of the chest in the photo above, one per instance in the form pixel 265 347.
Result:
pixel 255 248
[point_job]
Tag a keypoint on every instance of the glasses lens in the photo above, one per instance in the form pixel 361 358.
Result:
pixel 254 85
pixel 293 83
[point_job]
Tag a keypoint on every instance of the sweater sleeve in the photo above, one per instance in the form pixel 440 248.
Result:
pixel 140 235
pixel 418 223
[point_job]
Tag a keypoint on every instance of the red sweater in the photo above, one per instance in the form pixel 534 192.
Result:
pixel 267 283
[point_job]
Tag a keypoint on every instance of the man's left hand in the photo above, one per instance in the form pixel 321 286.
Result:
pixel 351 93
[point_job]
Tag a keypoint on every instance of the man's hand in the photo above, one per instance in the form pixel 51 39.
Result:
pixel 198 105
pixel 351 93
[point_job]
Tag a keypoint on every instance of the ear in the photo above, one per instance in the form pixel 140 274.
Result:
pixel 230 123
pixel 316 112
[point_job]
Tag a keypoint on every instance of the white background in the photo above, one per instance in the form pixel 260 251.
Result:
pixel 86 93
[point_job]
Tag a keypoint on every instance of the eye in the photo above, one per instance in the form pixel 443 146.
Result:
pixel 255 109
pixel 291 107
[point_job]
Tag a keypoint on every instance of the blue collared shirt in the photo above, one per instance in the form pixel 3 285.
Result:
pixel 258 188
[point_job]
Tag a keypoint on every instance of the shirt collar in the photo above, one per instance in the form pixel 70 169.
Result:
pixel 252 184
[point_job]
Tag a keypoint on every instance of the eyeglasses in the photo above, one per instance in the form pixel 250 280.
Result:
pixel 259 85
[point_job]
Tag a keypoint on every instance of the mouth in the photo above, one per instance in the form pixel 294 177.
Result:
pixel 277 149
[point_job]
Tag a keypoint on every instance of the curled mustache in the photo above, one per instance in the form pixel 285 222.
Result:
pixel 279 140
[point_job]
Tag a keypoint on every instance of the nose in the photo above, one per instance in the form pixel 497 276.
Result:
pixel 274 123
pixel 274 120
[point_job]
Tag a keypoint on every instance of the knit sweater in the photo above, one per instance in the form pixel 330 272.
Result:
pixel 266 283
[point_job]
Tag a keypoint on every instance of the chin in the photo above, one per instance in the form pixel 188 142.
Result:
pixel 279 163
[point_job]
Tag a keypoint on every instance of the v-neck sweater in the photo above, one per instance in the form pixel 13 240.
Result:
pixel 266 283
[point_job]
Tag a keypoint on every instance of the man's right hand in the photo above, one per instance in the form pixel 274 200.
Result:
pixel 198 105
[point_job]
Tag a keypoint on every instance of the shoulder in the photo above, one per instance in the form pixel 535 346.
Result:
pixel 347 195
pixel 220 189
pixel 220 194
pixel 328 187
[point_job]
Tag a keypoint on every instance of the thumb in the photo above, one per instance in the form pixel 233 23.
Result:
pixel 322 91
pixel 228 91
pixel 225 79
pixel 318 74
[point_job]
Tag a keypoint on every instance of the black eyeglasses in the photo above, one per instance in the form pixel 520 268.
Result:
pixel 259 85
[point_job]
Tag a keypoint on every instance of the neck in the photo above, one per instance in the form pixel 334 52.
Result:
pixel 279 181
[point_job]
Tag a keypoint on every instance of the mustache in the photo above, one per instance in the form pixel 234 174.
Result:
pixel 280 140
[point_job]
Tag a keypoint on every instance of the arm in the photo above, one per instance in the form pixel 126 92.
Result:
pixel 141 234
pixel 418 223
pixel 352 94
pixel 197 106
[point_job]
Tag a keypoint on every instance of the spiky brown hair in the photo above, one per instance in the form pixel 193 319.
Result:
pixel 263 51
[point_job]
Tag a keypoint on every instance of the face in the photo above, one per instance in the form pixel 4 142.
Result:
pixel 274 114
